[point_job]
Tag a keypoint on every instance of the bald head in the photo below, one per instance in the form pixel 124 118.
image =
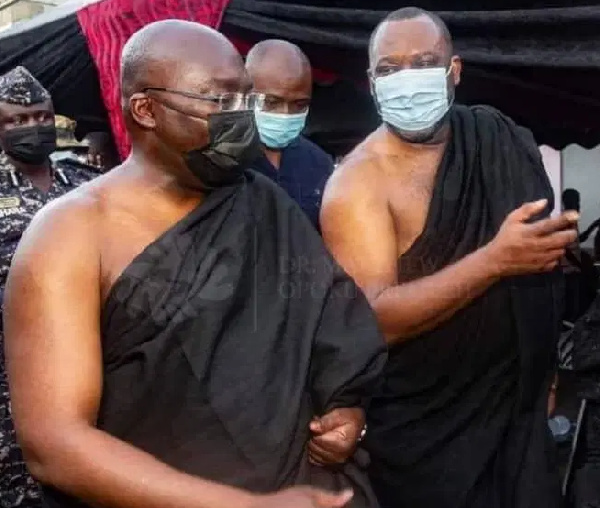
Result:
pixel 276 54
pixel 165 53
pixel 280 70
pixel 174 74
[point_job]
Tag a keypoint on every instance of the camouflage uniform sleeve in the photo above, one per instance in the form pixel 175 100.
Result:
pixel 78 172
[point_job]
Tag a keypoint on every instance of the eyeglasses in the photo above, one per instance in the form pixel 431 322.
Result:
pixel 230 101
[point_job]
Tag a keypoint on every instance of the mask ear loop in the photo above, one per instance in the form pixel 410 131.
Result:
pixel 372 90
pixel 450 103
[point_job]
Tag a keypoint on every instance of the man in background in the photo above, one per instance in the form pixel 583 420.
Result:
pixel 282 72
pixel 28 180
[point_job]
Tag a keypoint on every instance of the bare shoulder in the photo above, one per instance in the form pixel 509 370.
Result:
pixel 359 175
pixel 355 219
pixel 51 242
pixel 66 227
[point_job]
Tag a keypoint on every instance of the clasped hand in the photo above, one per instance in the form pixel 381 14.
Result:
pixel 335 436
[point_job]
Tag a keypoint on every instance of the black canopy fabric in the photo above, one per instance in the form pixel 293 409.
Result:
pixel 539 64
pixel 55 51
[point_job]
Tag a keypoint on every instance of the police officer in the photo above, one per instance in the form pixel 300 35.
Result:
pixel 28 180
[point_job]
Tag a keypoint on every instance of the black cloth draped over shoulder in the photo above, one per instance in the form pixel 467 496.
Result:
pixel 225 336
pixel 461 418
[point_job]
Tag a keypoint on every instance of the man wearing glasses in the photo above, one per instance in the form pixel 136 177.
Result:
pixel 169 354
pixel 281 71
pixel 440 218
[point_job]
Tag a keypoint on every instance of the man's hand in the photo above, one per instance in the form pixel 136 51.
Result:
pixel 304 497
pixel 335 436
pixel 521 247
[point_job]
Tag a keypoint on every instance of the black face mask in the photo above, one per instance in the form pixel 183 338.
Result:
pixel 234 144
pixel 30 145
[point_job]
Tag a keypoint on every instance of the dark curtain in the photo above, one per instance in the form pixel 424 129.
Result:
pixel 56 53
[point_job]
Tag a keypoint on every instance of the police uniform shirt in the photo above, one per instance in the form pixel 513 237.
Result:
pixel 20 200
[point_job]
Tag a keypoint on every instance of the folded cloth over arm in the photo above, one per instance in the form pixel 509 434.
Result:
pixel 228 334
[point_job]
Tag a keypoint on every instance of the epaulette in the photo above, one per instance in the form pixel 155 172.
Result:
pixel 75 165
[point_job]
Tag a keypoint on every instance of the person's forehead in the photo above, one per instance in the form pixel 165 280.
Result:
pixel 198 76
pixel 289 75
pixel 7 109
pixel 283 83
pixel 407 37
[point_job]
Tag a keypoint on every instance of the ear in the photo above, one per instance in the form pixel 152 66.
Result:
pixel 456 63
pixel 141 110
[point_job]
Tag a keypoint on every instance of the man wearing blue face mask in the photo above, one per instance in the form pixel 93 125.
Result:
pixel 282 72
pixel 441 216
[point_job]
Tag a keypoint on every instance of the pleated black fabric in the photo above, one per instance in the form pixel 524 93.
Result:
pixel 227 335
pixel 461 421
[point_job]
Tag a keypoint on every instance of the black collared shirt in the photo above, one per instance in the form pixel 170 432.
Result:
pixel 303 173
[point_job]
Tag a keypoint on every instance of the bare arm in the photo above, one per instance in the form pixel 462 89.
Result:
pixel 360 233
pixel 359 230
pixel 55 366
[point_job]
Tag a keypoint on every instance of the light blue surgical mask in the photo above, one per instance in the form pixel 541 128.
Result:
pixel 413 100
pixel 278 130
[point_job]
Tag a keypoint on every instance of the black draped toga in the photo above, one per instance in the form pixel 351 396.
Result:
pixel 226 335
pixel 461 419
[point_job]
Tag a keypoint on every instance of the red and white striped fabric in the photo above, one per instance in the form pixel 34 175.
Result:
pixel 108 24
